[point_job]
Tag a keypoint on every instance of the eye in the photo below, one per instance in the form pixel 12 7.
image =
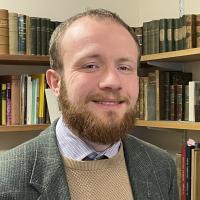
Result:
pixel 90 67
pixel 125 68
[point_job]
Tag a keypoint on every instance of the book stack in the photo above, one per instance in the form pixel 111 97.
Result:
pixel 24 35
pixel 22 100
pixel 189 171
pixel 164 96
pixel 4 33
pixel 169 34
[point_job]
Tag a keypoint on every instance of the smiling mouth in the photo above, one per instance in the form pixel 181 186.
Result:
pixel 108 102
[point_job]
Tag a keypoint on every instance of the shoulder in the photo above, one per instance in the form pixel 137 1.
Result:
pixel 158 157
pixel 16 164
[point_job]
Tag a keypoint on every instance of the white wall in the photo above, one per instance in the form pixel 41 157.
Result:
pixel 62 9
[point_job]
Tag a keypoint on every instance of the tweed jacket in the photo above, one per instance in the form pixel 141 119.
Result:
pixel 35 170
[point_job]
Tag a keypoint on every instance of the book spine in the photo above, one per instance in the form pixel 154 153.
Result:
pixel 0 104
pixel 198 30
pixel 151 97
pixel 170 34
pixel 173 95
pixel 22 34
pixel 3 85
pixel 38 43
pixel 141 97
pixel 139 35
pixel 167 95
pixel 15 100
pixel 186 115
pixel 176 34
pixel 163 35
pixel 180 102
pixel 43 36
pixel 8 104
pixel 13 33
pixel 145 38
pixel 183 172
pixel 33 35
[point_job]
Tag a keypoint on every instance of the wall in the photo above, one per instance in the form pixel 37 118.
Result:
pixel 127 9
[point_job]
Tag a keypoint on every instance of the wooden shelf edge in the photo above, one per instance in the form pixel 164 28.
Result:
pixel 24 59
pixel 23 128
pixel 175 56
pixel 169 124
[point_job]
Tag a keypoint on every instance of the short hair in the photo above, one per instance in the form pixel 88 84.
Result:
pixel 54 45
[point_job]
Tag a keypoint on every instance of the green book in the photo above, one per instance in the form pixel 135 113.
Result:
pixel 163 35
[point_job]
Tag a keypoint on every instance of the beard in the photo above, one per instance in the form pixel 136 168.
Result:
pixel 88 126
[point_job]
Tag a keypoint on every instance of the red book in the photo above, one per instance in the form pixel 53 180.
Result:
pixel 183 172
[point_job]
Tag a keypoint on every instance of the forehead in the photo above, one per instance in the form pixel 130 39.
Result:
pixel 93 31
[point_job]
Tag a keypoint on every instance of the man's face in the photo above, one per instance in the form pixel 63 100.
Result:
pixel 100 74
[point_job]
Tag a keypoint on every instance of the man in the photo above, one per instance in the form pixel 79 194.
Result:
pixel 87 154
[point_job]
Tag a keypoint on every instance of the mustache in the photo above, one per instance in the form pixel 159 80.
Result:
pixel 107 96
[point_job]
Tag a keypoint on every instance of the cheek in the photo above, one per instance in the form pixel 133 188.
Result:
pixel 78 89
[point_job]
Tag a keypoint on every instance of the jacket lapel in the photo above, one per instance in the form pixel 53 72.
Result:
pixel 140 169
pixel 48 175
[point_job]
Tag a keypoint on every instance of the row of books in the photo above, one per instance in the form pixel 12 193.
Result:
pixel 22 100
pixel 168 95
pixel 188 170
pixel 171 34
pixel 21 34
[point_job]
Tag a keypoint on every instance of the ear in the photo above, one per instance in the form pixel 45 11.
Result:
pixel 53 80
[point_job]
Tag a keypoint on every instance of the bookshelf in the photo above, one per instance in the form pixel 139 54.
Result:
pixel 186 55
pixel 182 125
pixel 23 128
pixel 181 56
pixel 27 61
pixel 24 60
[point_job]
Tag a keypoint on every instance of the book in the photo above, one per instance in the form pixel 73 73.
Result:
pixel 15 99
pixel 52 104
pixel 170 34
pixel 13 33
pixel 180 102
pixel 194 89
pixel 190 23
pixel 173 102
pixel 151 97
pixel 183 172
pixel 4 30
pixel 38 32
pixel 178 169
pixel 22 34
pixel 8 104
pixel 163 35
pixel 198 30
pixel 3 93
pixel 195 174
pixel 35 101
pixel 160 85
pixel 33 35
pixel 139 35
pixel 29 101
pixel 186 114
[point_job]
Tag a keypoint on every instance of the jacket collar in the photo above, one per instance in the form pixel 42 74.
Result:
pixel 141 174
pixel 49 181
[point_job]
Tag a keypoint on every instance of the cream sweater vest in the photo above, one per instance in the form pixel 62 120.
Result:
pixel 98 180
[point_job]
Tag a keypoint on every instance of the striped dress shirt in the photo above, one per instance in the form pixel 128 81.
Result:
pixel 73 147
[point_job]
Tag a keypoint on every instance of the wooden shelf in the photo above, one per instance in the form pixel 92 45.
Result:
pixel 186 55
pixel 169 124
pixel 24 60
pixel 23 128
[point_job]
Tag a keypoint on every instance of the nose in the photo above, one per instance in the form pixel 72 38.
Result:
pixel 110 79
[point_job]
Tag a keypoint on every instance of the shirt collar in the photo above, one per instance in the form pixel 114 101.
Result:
pixel 73 147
